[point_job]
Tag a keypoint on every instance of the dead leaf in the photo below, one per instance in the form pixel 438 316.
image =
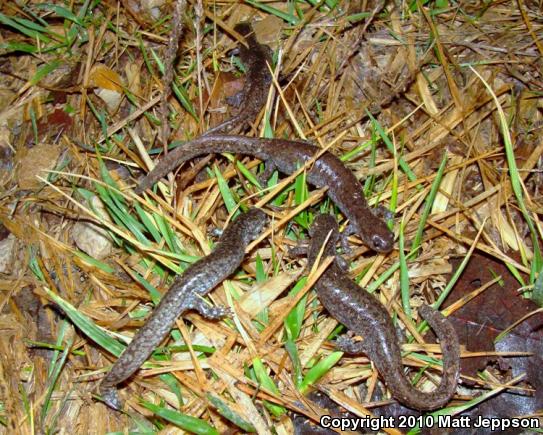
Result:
pixel 103 77
pixel 34 162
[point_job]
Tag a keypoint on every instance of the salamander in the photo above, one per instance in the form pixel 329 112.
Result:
pixel 285 155
pixel 185 294
pixel 362 313
pixel 252 98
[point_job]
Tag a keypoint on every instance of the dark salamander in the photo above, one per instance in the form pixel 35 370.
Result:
pixel 363 314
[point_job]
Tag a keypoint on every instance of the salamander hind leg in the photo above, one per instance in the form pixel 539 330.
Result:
pixel 208 311
pixel 110 396
pixel 342 263
pixel 299 250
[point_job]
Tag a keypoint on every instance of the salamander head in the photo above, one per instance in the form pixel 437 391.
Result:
pixel 376 234
pixel 382 242
pixel 252 223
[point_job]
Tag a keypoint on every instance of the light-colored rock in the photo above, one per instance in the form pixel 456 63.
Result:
pixel 93 239
pixel 7 253
pixel 111 98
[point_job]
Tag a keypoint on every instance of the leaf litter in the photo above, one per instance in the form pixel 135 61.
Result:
pixel 389 88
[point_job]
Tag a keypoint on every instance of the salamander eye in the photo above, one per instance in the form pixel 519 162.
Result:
pixel 380 243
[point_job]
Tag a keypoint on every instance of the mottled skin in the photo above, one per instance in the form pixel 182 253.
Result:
pixel 185 294
pixel 285 155
pixel 366 316
pixel 252 98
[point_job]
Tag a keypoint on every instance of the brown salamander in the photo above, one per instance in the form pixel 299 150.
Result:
pixel 185 294
pixel 366 316
pixel 252 98
pixel 285 155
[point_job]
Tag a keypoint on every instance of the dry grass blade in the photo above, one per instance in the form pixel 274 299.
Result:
pixel 93 94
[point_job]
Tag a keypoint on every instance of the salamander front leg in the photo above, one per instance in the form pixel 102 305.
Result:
pixel 343 238
pixel 264 177
pixel 236 99
pixel 348 345
pixel 382 213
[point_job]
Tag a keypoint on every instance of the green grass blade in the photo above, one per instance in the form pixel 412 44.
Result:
pixel 174 385
pixel 184 421
pixel 319 370
pixel 429 203
pixel 452 282
pixel 514 271
pixel 120 215
pixel 229 201
pixel 386 275
pixel 248 174
pixel 292 350
pixel 404 276
pixel 355 18
pixel 355 151
pixel 31 33
pixel 61 12
pixel 331 4
pixel 267 382
pixel 537 294
pixel 301 193
pixel 370 181
pixel 183 97
pixel 165 231
pixel 289 18
pixel 101 118
pixel 223 409
pixel 86 325
pixel 382 133
pixel 148 223
pixel 94 262
pixel 31 25
pixel 261 275
pixel 153 292
pixel 53 378
pixel 100 337
pixel 44 345
pixel 45 70
pixel 15 46
pixel 294 320
pixel 159 62
pixel 516 181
